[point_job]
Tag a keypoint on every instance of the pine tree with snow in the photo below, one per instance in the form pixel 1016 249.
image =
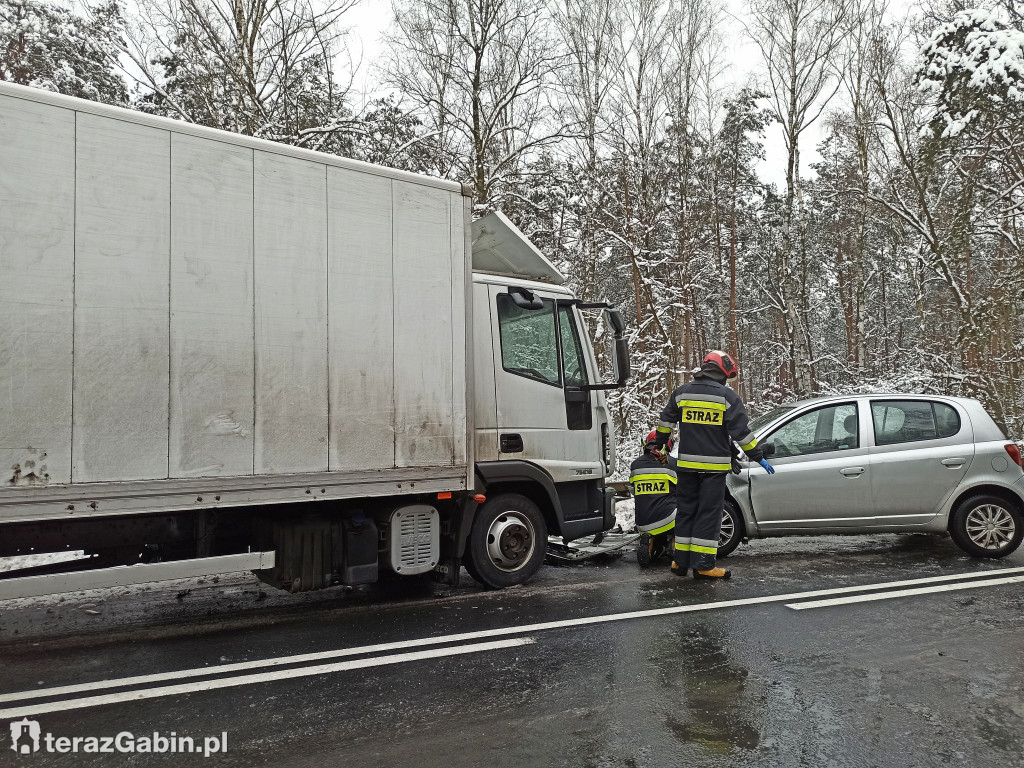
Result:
pixel 45 45
pixel 973 65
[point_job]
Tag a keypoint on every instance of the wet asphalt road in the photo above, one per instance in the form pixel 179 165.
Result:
pixel 919 680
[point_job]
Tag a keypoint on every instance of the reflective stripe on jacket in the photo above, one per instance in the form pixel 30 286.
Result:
pixel 654 488
pixel 710 415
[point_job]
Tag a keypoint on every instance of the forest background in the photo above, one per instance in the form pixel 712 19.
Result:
pixel 622 138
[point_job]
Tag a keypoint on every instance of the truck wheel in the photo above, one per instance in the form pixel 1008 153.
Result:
pixel 507 543
pixel 987 526
pixel 732 529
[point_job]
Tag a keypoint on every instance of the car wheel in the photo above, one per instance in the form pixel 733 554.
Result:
pixel 507 542
pixel 732 529
pixel 987 526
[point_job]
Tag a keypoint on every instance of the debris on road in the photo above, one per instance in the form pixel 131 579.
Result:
pixel 611 544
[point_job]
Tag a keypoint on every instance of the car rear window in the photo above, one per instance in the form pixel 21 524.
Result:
pixel 906 421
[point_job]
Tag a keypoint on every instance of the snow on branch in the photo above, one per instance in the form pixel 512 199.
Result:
pixel 971 65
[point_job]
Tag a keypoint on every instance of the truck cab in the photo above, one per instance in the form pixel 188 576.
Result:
pixel 541 420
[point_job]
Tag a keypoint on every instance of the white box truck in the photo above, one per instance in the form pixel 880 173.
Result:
pixel 219 353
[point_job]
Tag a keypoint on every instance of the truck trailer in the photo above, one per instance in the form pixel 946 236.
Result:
pixel 219 353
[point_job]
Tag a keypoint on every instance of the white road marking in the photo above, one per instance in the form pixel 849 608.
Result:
pixel 302 658
pixel 263 677
pixel 902 593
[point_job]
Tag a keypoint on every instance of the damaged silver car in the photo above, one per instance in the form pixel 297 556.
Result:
pixel 881 464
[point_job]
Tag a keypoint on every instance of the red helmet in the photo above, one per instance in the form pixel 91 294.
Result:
pixel 717 360
pixel 654 434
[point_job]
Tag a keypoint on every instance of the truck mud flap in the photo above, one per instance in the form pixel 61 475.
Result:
pixel 611 544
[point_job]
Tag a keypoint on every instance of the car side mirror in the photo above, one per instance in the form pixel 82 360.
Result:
pixel 768 449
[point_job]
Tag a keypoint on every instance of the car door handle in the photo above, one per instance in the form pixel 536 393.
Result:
pixel 953 462
pixel 852 471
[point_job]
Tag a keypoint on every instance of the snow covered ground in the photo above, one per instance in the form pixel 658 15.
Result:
pixel 625 514
pixel 28 561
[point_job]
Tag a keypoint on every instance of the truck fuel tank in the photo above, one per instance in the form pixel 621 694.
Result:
pixel 316 551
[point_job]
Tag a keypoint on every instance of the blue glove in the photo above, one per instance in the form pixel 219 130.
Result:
pixel 767 467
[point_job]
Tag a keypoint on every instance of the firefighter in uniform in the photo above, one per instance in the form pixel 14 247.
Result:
pixel 654 497
pixel 710 416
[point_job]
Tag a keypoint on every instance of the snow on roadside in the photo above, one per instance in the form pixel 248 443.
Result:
pixel 625 514
pixel 29 561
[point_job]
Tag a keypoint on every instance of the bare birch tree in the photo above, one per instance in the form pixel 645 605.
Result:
pixel 799 41
pixel 694 96
pixel 588 30
pixel 477 71
pixel 638 109
pixel 864 29
pixel 258 67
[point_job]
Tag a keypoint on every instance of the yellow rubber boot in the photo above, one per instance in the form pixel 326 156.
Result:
pixel 676 570
pixel 714 573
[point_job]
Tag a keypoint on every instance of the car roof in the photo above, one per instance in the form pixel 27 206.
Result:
pixel 875 395
pixel 985 427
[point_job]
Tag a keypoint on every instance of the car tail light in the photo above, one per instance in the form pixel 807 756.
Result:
pixel 1014 452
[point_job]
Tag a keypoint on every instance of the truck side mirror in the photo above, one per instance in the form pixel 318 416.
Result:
pixel 614 319
pixel 620 364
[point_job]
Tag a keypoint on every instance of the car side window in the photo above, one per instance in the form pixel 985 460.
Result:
pixel 947 420
pixel 907 421
pixel 832 428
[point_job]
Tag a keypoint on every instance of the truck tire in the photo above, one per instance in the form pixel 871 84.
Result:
pixel 732 529
pixel 507 542
pixel 987 526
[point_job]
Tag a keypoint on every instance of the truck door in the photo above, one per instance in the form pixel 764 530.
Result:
pixel 539 361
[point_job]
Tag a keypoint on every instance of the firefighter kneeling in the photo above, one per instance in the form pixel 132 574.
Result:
pixel 709 415
pixel 654 496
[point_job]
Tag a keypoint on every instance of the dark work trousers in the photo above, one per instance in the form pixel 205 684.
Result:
pixel 701 496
